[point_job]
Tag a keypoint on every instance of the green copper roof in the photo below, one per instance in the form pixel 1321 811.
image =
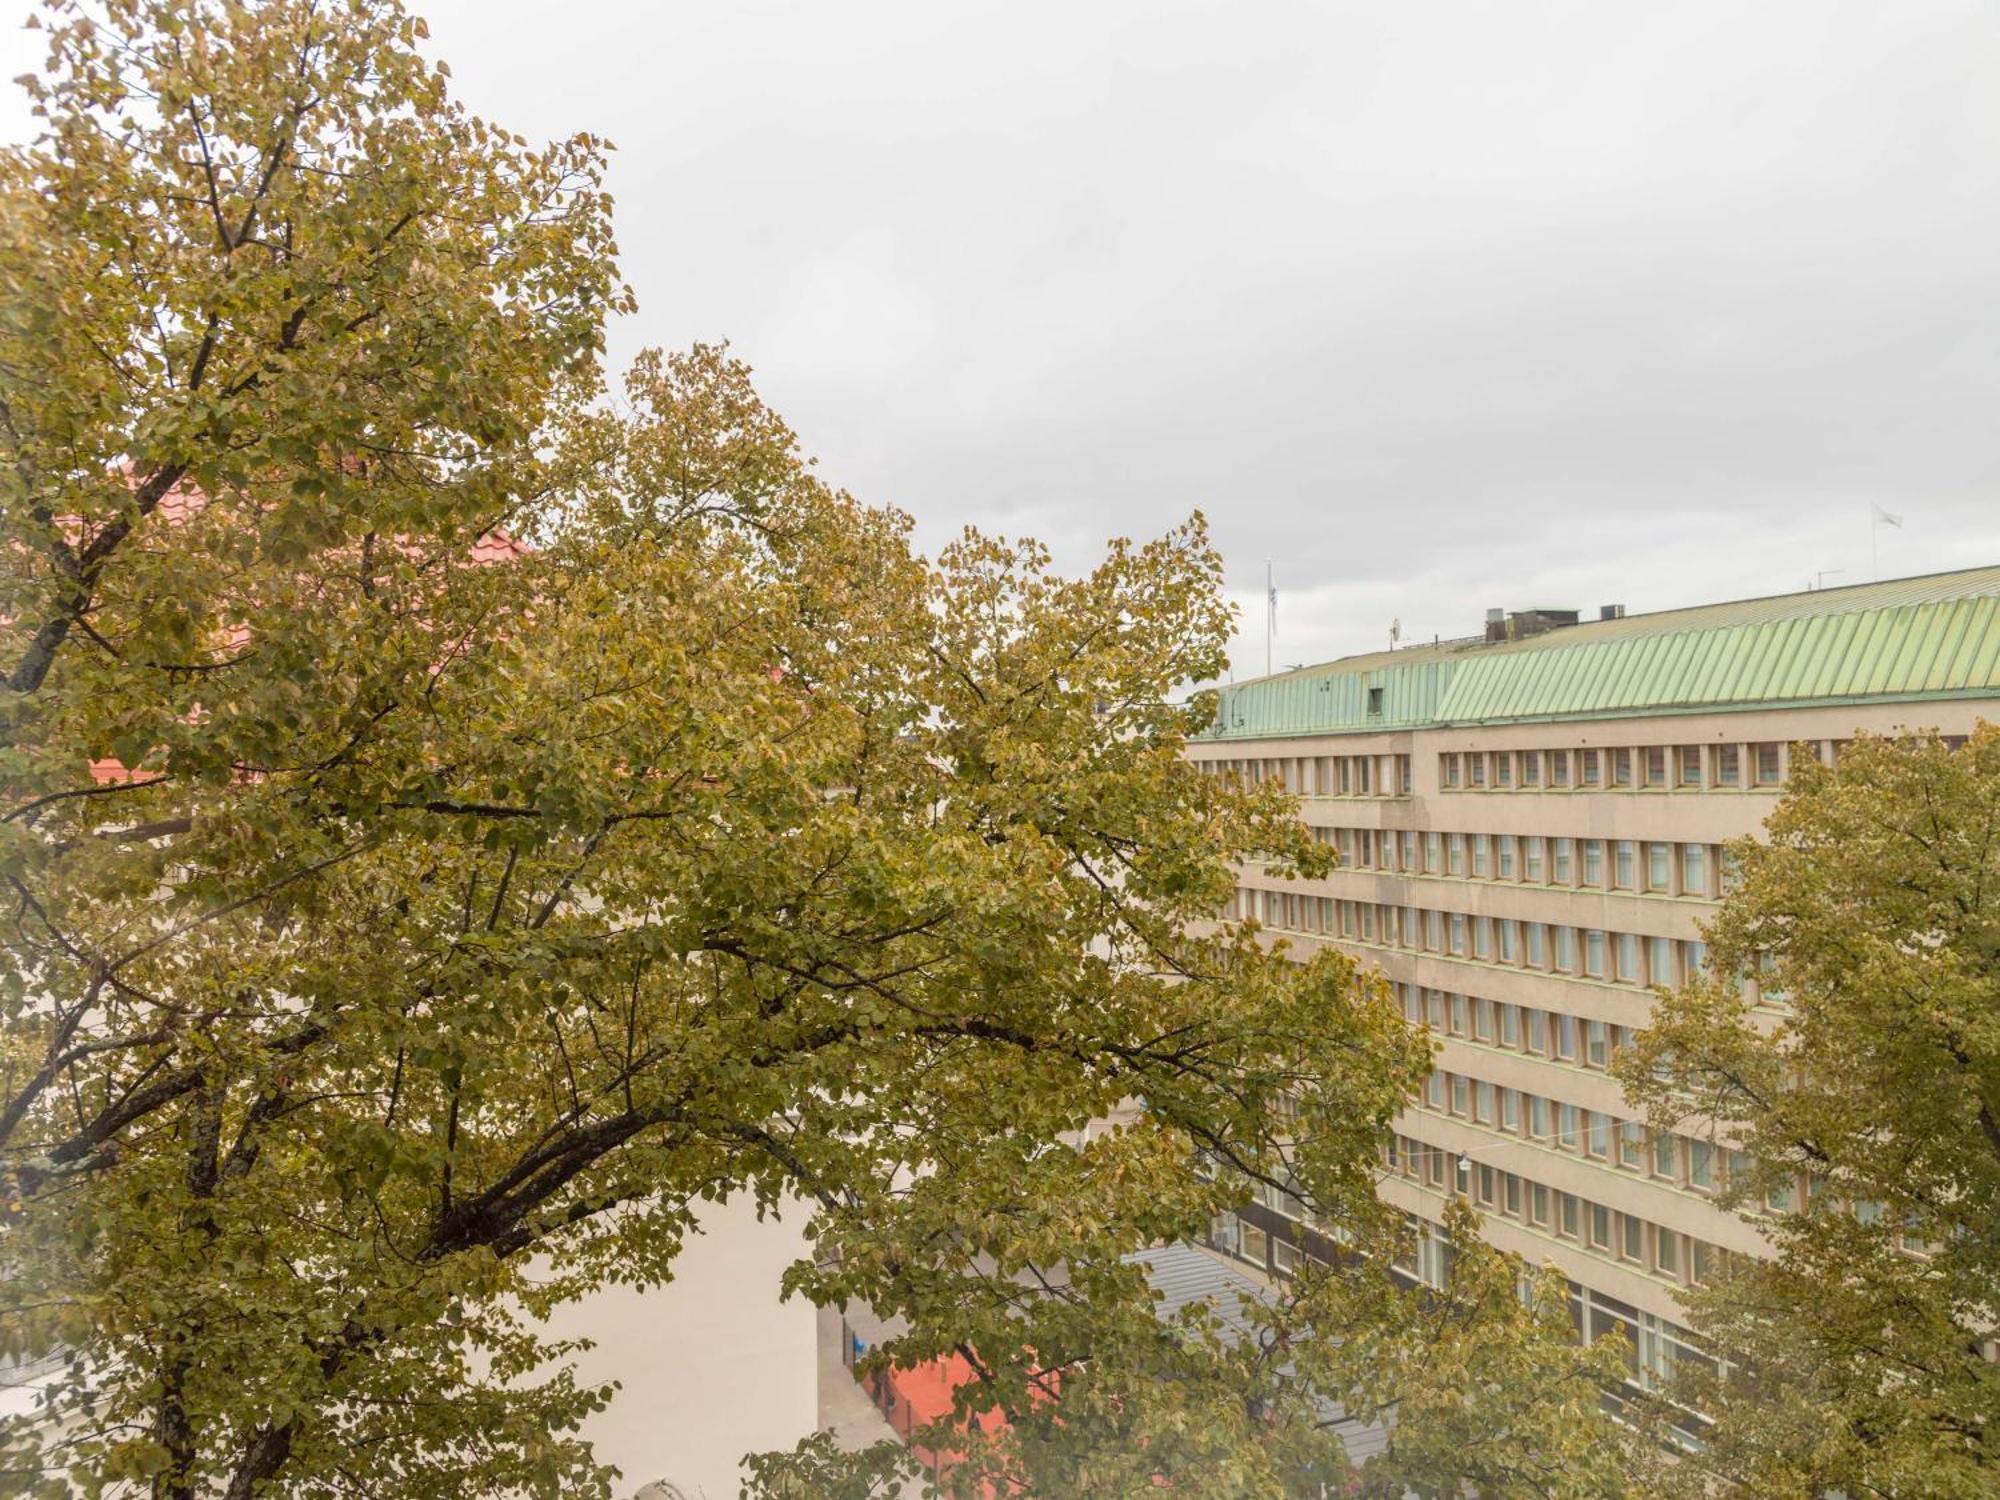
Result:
pixel 1337 698
pixel 1908 638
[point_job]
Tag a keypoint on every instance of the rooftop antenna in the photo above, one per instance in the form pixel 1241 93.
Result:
pixel 1270 613
pixel 1875 523
pixel 1395 633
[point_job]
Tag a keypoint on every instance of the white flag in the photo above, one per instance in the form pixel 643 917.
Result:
pixel 1883 515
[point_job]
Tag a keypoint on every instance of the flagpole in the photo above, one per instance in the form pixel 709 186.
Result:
pixel 1270 612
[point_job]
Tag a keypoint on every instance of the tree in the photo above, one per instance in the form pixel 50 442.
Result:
pixel 452 820
pixel 1866 1064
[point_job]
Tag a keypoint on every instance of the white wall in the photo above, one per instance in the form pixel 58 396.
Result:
pixel 713 1365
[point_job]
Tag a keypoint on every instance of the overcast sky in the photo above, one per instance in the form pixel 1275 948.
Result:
pixel 1434 305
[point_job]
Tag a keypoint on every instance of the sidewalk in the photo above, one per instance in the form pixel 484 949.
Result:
pixel 844 1408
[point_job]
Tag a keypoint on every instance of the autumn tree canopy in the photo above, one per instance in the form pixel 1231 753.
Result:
pixel 454 816
pixel 1861 1096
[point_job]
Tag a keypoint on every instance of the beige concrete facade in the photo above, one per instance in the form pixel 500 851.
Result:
pixel 1454 892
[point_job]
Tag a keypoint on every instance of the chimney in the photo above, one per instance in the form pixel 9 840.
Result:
pixel 1496 624
pixel 1611 612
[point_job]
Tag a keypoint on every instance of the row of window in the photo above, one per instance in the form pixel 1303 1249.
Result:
pixel 1621 768
pixel 1654 1345
pixel 1540 947
pixel 1666 1253
pixel 1667 1158
pixel 1686 1162
pixel 1640 866
pixel 1322 775
pixel 1548 1034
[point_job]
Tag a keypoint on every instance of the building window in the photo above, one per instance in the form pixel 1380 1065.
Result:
pixel 1593 953
pixel 1503 769
pixel 1559 768
pixel 1593 863
pixel 1627 865
pixel 1694 869
pixel 1458 934
pixel 1510 1026
pixel 1666 1156
pixel 1256 1245
pixel 1660 960
pixel 1701 1165
pixel 1566 1120
pixel 1621 767
pixel 1770 769
pixel 1632 1145
pixel 1565 861
pixel 1633 1236
pixel 1667 1252
pixel 1510 1110
pixel 1531 859
pixel 1728 765
pixel 1656 766
pixel 1538 1203
pixel 1433 843
pixel 1600 1227
pixel 1597 1044
pixel 1570 1211
pixel 1476 765
pixel 1566 1037
pixel 1458 1015
pixel 1482 1103
pixel 1600 1135
pixel 1482 855
pixel 1538 1117
pixel 1461 1095
pixel 1450 770
pixel 1510 1193
pixel 1538 1032
pixel 1628 958
pixel 1538 956
pixel 1507 857
pixel 1531 768
pixel 1482 1020
pixel 1566 950
pixel 1690 765
pixel 1509 942
pixel 1455 845
pixel 1659 867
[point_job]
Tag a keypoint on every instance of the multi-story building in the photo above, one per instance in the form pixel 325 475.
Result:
pixel 1532 826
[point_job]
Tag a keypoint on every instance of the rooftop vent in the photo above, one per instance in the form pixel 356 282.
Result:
pixel 1610 611
pixel 1522 623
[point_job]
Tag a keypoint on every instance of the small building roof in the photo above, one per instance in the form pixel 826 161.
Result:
pixel 1184 1274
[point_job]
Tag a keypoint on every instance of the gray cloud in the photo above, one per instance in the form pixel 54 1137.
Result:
pixel 1440 304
